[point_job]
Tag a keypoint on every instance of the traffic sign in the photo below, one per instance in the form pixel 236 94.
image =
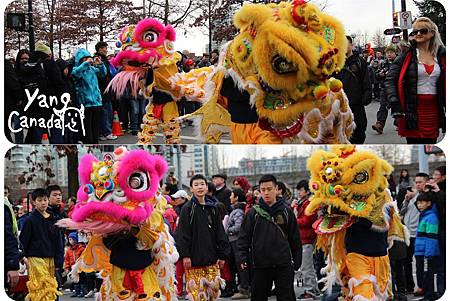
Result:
pixel 392 31
pixel 405 20
pixel 396 39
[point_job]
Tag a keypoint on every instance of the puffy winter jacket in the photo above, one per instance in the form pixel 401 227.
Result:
pixel 409 80
pixel 86 82
pixel 235 221
pixel 72 254
pixel 427 239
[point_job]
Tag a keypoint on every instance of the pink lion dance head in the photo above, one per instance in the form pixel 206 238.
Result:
pixel 147 45
pixel 117 192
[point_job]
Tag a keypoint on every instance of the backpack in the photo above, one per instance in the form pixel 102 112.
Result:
pixel 33 76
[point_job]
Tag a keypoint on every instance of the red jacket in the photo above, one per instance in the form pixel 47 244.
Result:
pixel 305 222
pixel 72 254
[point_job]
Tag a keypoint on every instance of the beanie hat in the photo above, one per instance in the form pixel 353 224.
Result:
pixel 391 48
pixel 42 47
pixel 74 236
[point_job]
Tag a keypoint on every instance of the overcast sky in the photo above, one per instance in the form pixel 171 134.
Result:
pixel 363 15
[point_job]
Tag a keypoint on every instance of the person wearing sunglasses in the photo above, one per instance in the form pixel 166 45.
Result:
pixel 415 85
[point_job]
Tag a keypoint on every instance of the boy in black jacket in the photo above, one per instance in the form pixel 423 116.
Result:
pixel 201 242
pixel 42 245
pixel 270 232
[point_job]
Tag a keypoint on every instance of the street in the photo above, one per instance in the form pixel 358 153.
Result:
pixel 389 135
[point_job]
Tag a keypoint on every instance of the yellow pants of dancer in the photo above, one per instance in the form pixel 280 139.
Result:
pixel 166 123
pixel 251 133
pixel 42 285
pixel 123 291
pixel 203 283
pixel 369 277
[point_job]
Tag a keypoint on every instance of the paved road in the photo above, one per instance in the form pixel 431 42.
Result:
pixel 389 135
pixel 298 291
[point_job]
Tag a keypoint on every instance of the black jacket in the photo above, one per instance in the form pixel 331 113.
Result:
pixel 200 234
pixel 223 196
pixel 355 79
pixel 410 87
pixel 272 241
pixel 125 254
pixel 103 81
pixel 361 239
pixel 11 244
pixel 40 237
pixel 238 103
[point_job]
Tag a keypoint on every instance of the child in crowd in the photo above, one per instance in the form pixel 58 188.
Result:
pixel 427 242
pixel 42 245
pixel 73 252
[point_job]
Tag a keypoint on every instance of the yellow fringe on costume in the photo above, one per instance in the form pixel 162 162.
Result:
pixel 251 133
pixel 42 285
pixel 203 283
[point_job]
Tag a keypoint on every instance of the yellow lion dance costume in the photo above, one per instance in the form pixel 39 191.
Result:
pixel 273 81
pixel 120 204
pixel 358 220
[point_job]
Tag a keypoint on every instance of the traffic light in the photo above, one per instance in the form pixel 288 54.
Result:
pixel 16 21
pixel 395 19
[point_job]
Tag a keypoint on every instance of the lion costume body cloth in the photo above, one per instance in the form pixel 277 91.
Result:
pixel 350 194
pixel 147 59
pixel 273 82
pixel 119 203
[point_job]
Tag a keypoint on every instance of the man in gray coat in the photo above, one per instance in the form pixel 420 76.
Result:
pixel 410 215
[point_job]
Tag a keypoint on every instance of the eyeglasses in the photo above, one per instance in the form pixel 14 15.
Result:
pixel 422 31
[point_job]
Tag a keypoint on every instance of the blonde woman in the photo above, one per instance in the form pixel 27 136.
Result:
pixel 415 85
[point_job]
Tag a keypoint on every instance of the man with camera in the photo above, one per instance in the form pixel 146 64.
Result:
pixel 410 215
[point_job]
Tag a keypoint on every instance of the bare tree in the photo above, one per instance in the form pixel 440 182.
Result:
pixel 379 39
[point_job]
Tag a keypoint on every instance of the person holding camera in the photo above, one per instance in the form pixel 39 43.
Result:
pixel 410 215
pixel 85 73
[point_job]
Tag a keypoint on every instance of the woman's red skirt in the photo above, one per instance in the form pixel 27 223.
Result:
pixel 427 117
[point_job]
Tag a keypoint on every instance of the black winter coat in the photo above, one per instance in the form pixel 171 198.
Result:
pixel 200 234
pixel 40 237
pixel 410 87
pixel 356 81
pixel 272 241
pixel 11 243
pixel 223 196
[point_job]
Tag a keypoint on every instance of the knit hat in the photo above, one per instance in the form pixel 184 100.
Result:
pixel 74 236
pixel 42 47
pixel 391 48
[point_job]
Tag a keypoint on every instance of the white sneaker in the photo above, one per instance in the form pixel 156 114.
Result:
pixel 102 138
pixel 89 295
pixel 111 137
pixel 68 290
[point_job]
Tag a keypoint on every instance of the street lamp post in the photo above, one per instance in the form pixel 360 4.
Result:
pixel 30 25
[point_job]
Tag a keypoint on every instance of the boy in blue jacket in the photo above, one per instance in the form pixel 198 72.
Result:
pixel 43 247
pixel 427 243
pixel 88 92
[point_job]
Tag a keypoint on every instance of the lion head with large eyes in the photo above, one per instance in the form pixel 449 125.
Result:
pixel 118 192
pixel 347 184
pixel 148 44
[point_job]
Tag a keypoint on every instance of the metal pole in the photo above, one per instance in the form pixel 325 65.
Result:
pixel 30 25
pixel 179 184
pixel 393 6
pixel 405 31
pixel 423 162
